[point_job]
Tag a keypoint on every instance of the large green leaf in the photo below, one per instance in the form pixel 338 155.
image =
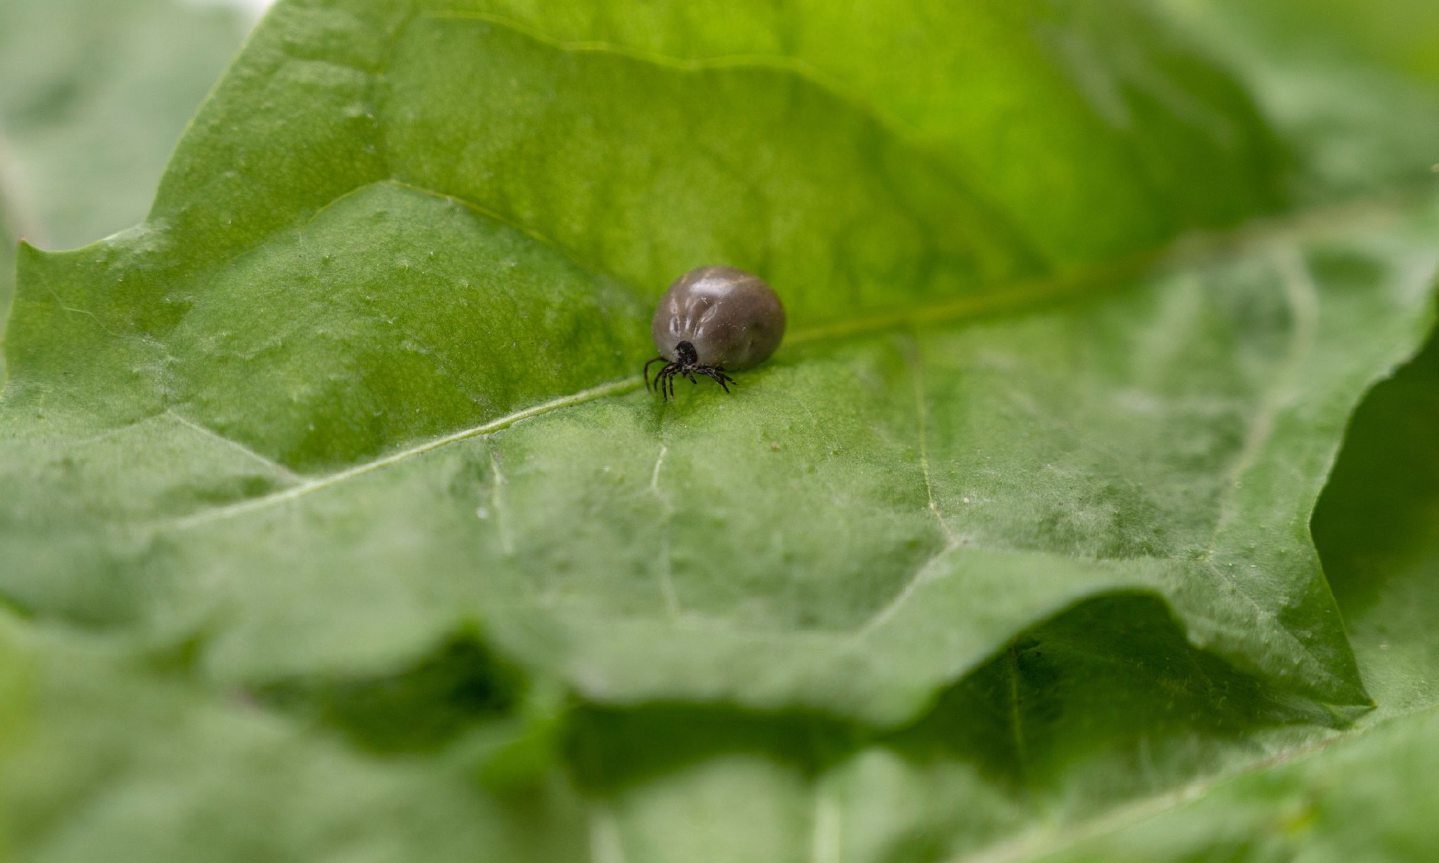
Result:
pixel 1037 752
pixel 365 379
pixel 351 254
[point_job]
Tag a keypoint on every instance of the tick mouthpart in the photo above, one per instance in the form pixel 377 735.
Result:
pixel 686 355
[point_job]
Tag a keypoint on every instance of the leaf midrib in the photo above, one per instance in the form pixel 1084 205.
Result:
pixel 1027 295
pixel 1023 296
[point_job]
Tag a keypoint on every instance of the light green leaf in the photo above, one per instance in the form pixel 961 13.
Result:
pixel 94 98
pixel 1353 89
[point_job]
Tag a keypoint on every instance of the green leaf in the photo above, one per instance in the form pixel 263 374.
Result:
pixel 299 379
pixel 1013 529
pixel 1363 798
pixel 1030 755
pixel 1102 735
pixel 94 99
pixel 1367 793
pixel 1355 93
pixel 7 272
pixel 184 778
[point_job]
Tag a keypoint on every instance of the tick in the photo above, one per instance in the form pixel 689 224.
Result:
pixel 711 321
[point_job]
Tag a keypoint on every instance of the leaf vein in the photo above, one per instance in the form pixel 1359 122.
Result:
pixel 308 487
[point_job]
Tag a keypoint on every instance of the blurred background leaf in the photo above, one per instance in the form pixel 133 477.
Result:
pixel 95 96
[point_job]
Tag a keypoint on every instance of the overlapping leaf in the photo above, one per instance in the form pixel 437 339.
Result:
pixel 1366 793
pixel 93 100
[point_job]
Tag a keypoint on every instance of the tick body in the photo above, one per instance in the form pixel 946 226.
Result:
pixel 711 321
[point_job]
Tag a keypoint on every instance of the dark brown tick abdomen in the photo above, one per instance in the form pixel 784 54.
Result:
pixel 732 318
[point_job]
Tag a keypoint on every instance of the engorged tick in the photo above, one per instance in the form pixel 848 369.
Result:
pixel 714 320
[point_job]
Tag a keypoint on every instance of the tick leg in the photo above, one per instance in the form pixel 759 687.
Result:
pixel 718 377
pixel 647 370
